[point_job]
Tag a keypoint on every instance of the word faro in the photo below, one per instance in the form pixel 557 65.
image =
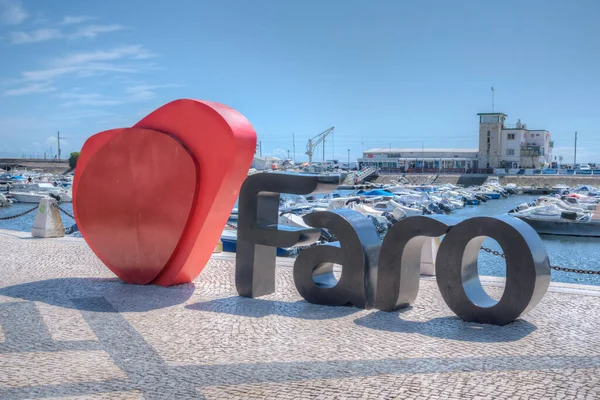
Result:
pixel 383 275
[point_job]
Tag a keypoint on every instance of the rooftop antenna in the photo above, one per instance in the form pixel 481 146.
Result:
pixel 492 99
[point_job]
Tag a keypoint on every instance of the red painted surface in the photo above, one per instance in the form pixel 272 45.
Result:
pixel 185 150
pixel 130 207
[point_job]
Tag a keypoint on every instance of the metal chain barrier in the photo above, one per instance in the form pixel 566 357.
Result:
pixel 232 226
pixel 64 211
pixel 18 215
pixel 554 267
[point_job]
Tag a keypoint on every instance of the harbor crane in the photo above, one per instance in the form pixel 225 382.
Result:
pixel 314 142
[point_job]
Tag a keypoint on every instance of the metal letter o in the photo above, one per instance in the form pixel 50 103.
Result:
pixel 527 269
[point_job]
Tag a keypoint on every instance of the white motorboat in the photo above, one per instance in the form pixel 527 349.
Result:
pixel 4 201
pixel 551 219
pixel 399 211
pixel 25 197
pixel 567 203
pixel 34 192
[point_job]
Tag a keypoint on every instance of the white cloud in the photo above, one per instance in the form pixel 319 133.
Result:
pixel 135 52
pixel 11 12
pixel 72 20
pixel 144 92
pixel 39 35
pixel 51 140
pixel 42 35
pixel 91 63
pixel 122 60
pixel 30 89
pixel 131 94
pixel 91 31
pixel 87 99
pixel 83 70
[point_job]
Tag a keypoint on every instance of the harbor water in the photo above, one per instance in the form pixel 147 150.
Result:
pixel 564 251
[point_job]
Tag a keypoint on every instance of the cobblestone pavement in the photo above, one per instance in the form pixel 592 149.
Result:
pixel 69 329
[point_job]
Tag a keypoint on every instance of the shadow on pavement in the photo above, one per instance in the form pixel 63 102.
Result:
pixel 258 308
pixel 123 297
pixel 452 328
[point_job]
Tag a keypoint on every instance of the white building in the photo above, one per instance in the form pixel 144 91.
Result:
pixel 406 159
pixel 511 146
pixel 500 146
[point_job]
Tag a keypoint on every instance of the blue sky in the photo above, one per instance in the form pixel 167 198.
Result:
pixel 382 72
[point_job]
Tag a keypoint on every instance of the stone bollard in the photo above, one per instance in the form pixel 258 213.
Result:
pixel 428 254
pixel 47 222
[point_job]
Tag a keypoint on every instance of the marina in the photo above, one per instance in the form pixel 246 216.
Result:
pixel 384 204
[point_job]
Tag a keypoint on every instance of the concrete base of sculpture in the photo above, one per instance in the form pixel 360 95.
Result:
pixel 47 222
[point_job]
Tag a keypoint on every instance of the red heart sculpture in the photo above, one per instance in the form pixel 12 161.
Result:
pixel 151 201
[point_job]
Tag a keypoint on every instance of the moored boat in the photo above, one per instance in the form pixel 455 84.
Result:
pixel 552 219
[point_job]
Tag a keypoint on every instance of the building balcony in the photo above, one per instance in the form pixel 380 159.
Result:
pixel 532 151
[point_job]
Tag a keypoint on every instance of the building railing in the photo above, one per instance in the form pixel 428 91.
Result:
pixel 419 170
pixel 532 151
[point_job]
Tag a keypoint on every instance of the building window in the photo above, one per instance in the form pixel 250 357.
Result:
pixel 488 133
pixel 510 152
pixel 511 136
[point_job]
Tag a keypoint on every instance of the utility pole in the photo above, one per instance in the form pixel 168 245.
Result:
pixel 422 156
pixel 492 99
pixel 58 138
pixel 288 154
pixel 348 159
pixel 294 146
pixel 575 156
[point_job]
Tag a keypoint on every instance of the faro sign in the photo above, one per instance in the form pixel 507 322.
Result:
pixel 384 276
pixel 194 156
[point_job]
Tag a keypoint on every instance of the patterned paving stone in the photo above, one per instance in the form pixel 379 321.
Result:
pixel 69 329
pixel 46 368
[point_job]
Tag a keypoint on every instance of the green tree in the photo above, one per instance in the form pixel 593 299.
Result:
pixel 73 159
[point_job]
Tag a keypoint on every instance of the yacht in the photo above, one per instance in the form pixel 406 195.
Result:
pixel 552 219
pixel 34 192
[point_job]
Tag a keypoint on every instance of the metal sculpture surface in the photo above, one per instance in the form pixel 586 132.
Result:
pixel 192 155
pixel 357 250
pixel 527 269
pixel 400 260
pixel 384 276
pixel 259 235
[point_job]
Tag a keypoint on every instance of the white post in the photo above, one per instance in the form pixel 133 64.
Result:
pixel 47 222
